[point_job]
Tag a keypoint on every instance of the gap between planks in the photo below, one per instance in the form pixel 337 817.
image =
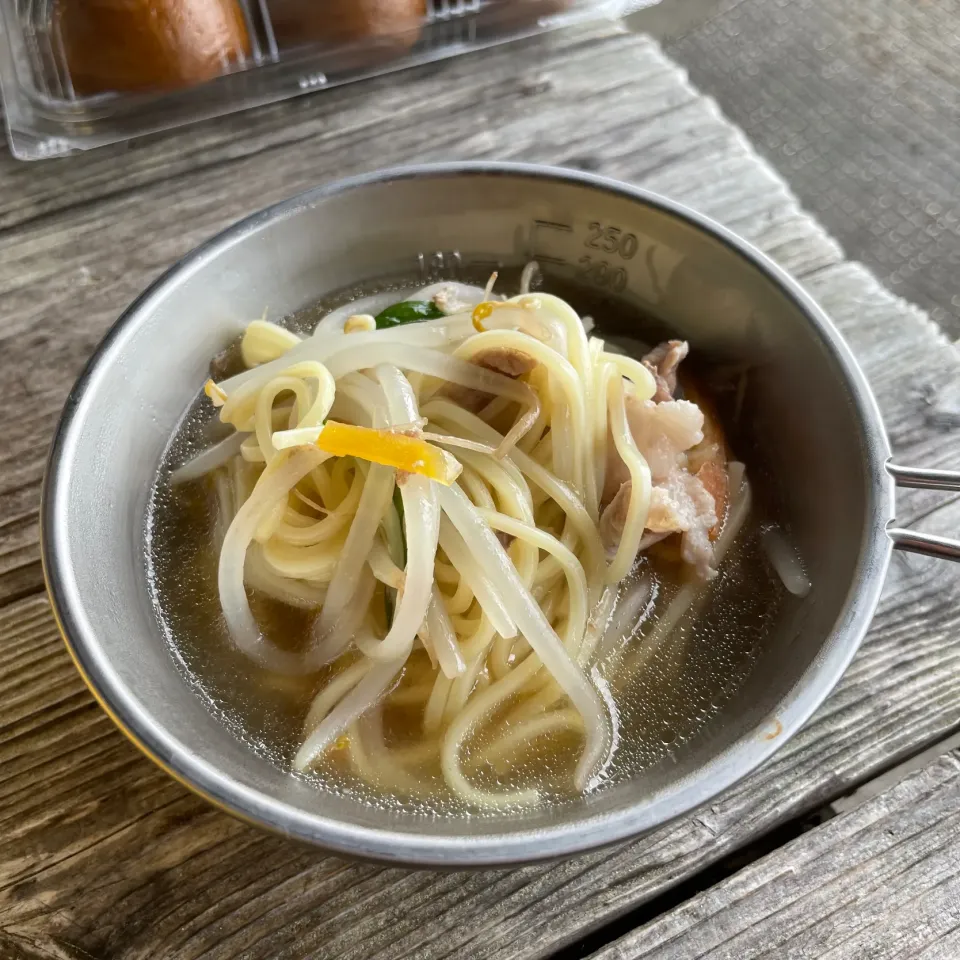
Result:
pixel 882 880
pixel 876 783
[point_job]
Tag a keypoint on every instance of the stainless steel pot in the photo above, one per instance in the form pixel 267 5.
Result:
pixel 823 432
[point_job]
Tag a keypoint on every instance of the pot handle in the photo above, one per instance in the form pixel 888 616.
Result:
pixel 928 544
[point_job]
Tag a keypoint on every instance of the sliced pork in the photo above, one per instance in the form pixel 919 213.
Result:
pixel 662 361
pixel 670 434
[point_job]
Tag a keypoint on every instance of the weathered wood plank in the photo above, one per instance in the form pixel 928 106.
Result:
pixel 102 855
pixel 610 102
pixel 481 87
pixel 882 881
pixel 856 104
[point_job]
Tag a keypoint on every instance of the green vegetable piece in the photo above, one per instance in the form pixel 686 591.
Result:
pixel 408 311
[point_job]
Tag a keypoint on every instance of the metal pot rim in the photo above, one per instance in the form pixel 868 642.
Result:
pixel 523 846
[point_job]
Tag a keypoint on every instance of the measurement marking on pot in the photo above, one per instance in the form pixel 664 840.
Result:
pixel 611 239
pixel 542 232
pixel 602 274
pixel 598 271
pixel 552 225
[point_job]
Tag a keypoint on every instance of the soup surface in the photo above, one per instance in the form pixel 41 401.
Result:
pixel 670 643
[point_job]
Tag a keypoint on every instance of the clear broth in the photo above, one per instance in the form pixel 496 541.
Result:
pixel 684 684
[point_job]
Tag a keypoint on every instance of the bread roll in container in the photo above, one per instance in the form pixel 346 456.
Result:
pixel 75 74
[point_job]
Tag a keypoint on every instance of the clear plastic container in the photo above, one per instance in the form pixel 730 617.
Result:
pixel 76 74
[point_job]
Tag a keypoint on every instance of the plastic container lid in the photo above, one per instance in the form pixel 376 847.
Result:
pixel 77 74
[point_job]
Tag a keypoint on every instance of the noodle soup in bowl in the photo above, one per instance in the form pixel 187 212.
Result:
pixel 438 567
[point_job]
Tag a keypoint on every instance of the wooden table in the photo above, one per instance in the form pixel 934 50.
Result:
pixel 856 103
pixel 102 855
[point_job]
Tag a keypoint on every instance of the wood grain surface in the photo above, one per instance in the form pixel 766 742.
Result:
pixel 856 104
pixel 881 882
pixel 101 854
